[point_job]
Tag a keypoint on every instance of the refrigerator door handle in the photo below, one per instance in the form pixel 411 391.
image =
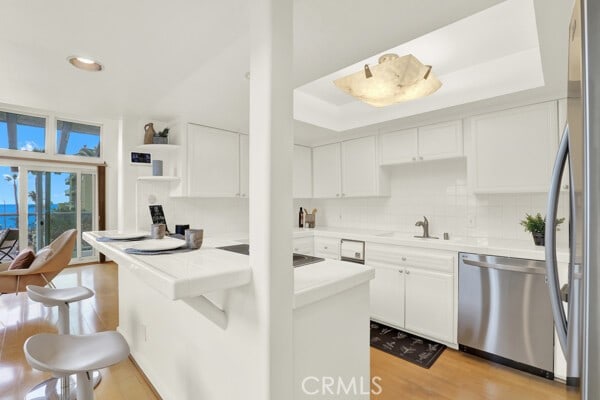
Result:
pixel 560 320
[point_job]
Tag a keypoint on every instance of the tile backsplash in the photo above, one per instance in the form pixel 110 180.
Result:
pixel 438 190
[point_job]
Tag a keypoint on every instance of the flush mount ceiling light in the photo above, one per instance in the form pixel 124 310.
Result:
pixel 87 64
pixel 393 80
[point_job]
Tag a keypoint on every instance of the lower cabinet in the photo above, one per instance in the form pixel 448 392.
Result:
pixel 327 247
pixel 304 245
pixel 413 290
pixel 429 303
pixel 387 295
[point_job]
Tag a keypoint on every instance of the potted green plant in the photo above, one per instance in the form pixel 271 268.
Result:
pixel 161 137
pixel 536 224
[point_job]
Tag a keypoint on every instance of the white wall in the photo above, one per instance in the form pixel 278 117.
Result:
pixel 438 190
pixel 212 215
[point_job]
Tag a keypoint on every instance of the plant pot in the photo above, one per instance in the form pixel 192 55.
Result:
pixel 538 239
pixel 160 140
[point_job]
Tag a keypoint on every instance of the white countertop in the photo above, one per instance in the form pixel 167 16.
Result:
pixel 497 247
pixel 208 269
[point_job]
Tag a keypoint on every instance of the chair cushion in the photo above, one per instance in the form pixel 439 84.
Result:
pixel 23 260
pixel 42 257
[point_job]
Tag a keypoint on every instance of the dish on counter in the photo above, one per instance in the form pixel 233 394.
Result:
pixel 158 245
pixel 125 235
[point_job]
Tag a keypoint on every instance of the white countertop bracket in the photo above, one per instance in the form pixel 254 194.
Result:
pixel 208 309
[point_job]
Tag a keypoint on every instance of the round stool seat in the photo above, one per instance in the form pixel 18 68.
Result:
pixel 69 354
pixel 53 297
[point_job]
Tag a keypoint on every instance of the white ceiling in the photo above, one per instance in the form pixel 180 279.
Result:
pixel 188 58
pixel 476 58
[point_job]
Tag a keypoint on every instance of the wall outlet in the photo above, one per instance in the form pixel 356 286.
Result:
pixel 471 221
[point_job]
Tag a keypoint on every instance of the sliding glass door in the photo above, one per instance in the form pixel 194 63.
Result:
pixel 44 202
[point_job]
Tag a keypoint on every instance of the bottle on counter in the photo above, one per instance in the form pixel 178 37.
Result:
pixel 301 218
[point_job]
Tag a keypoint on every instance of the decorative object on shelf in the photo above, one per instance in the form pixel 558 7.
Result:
pixel 161 137
pixel 157 167
pixel 309 219
pixel 393 80
pixel 141 158
pixel 536 224
pixel 149 133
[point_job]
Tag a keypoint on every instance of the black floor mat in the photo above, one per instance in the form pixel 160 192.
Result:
pixel 409 347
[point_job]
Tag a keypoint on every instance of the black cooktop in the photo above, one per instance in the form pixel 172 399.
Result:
pixel 298 259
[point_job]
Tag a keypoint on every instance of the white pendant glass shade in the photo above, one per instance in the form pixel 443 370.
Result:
pixel 394 79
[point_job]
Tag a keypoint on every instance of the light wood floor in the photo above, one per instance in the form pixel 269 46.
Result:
pixel 454 376
pixel 21 318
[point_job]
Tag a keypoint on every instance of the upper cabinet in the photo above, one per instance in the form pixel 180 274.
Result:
pixel 513 151
pixel 302 187
pixel 327 171
pixel 361 175
pixel 213 162
pixel 432 142
pixel 348 169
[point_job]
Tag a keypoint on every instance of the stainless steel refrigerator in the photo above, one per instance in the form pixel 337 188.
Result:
pixel 579 329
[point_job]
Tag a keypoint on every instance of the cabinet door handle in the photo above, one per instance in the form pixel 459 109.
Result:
pixel 325 247
pixel 337 195
pixel 565 187
pixel 407 272
pixel 421 158
pixel 295 249
pixel 237 195
pixel 414 158
pixel 401 271
pixel 403 258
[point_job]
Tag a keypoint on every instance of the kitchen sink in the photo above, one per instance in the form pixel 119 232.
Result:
pixel 298 260
pixel 405 236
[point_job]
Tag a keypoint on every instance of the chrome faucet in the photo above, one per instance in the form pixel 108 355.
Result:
pixel 425 225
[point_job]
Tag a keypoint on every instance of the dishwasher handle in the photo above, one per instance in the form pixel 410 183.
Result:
pixel 504 267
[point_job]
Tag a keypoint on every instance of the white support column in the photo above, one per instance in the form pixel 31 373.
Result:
pixel 270 202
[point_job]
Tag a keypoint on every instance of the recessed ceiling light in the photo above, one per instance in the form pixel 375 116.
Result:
pixel 85 63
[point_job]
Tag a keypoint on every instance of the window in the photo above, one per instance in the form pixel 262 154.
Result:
pixel 22 132
pixel 77 139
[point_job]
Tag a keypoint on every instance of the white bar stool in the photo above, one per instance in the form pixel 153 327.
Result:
pixel 65 387
pixel 65 355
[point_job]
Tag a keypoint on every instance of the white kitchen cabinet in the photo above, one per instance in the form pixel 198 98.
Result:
pixel 244 165
pixel 302 183
pixel 327 171
pixel 414 290
pixel 327 247
pixel 361 174
pixel 514 150
pixel 349 169
pixel 387 293
pixel 213 162
pixel 431 142
pixel 428 302
pixel 398 147
pixel 441 141
pixel 304 245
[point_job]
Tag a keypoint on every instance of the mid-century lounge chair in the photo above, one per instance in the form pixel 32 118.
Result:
pixel 43 269
pixel 9 239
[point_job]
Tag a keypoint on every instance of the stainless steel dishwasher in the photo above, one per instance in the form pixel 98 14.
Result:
pixel 504 314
